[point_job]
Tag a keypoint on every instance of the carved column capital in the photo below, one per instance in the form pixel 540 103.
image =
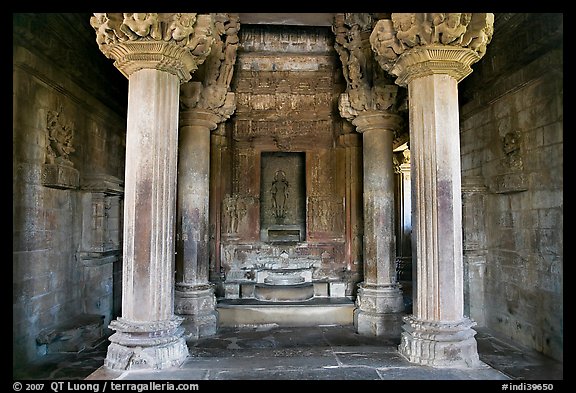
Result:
pixel 401 161
pixel 369 121
pixel 411 45
pixel 172 42
pixel 213 98
pixel 199 117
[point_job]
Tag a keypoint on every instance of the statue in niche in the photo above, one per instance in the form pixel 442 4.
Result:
pixel 279 193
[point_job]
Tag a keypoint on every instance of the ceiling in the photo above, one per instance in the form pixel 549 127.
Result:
pixel 300 19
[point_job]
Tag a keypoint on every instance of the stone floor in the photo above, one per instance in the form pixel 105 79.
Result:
pixel 303 353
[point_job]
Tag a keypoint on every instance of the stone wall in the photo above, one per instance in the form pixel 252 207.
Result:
pixel 512 183
pixel 67 210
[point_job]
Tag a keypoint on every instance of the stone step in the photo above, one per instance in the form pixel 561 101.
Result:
pixel 313 312
pixel 73 335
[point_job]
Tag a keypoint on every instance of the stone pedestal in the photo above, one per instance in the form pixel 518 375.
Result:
pixel 196 304
pixel 379 300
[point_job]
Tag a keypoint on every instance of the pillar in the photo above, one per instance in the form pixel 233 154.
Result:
pixel 204 105
pixel 194 294
pixel 148 334
pixel 379 299
pixel 437 334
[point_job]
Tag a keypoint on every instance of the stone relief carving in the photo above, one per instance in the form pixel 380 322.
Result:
pixel 391 37
pixel 280 192
pixel 188 29
pixel 192 35
pixel 511 147
pixel 213 93
pixel 235 208
pixel 60 134
pixel 368 86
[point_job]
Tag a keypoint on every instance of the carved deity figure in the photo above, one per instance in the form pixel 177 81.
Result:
pixel 181 28
pixel 231 48
pixel 408 29
pixel 479 33
pixel 279 191
pixel 384 41
pixel 140 25
pixel 60 137
pixel 107 28
pixel 511 147
pixel 450 28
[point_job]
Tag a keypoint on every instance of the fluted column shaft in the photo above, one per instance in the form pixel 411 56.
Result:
pixel 155 59
pixel 437 333
pixel 430 58
pixel 379 297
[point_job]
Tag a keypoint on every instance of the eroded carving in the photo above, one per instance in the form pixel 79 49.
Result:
pixel 368 87
pixel 60 134
pixel 213 93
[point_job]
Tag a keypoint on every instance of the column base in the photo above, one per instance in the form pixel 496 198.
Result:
pixel 197 305
pixel 379 310
pixel 146 345
pixel 439 344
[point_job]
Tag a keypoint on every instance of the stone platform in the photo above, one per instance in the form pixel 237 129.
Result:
pixel 313 312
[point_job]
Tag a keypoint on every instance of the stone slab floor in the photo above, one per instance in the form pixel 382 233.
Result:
pixel 302 353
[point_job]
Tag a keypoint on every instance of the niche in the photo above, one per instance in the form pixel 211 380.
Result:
pixel 282 197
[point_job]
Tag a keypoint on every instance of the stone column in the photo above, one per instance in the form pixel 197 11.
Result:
pixel 204 105
pixel 403 219
pixel 435 54
pixel 371 103
pixel 194 295
pixel 155 60
pixel 379 300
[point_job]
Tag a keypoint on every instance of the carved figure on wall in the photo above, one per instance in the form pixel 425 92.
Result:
pixel 60 135
pixel 279 191
pixel 511 147
pixel 235 210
